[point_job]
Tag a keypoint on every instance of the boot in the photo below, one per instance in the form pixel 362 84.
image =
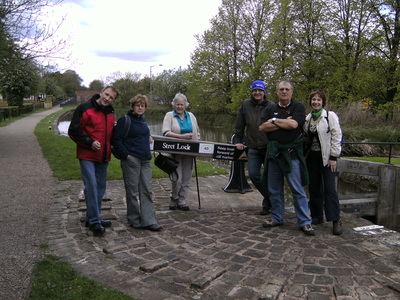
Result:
pixel 337 227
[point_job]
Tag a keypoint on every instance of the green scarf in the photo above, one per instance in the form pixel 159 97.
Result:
pixel 317 114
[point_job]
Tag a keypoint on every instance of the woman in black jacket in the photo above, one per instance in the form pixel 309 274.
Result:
pixel 131 144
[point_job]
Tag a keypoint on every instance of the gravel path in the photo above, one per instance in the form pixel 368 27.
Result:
pixel 27 189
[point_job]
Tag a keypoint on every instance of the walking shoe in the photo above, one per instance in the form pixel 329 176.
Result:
pixel 265 211
pixel 153 227
pixel 269 223
pixel 183 207
pixel 172 203
pixel 337 227
pixel 104 223
pixel 308 230
pixel 97 229
pixel 316 221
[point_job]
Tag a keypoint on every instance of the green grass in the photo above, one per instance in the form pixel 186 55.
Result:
pixel 60 152
pixel 385 160
pixel 55 279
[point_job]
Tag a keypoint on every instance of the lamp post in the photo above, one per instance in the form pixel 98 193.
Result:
pixel 151 88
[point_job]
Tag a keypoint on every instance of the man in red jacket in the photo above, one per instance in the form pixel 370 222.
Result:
pixel 91 129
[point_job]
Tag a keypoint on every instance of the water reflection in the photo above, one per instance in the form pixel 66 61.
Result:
pixel 207 132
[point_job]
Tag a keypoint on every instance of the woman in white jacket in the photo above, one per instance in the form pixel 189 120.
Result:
pixel 183 125
pixel 323 148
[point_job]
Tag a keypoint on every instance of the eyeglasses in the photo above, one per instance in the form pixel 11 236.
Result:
pixel 284 89
pixel 140 105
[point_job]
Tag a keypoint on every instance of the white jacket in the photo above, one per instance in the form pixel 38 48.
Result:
pixel 330 141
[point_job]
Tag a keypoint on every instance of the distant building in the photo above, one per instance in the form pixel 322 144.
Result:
pixel 84 96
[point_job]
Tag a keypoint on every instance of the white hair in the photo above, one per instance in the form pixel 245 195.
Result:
pixel 180 96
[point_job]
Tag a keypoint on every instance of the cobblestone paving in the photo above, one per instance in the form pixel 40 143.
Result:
pixel 221 251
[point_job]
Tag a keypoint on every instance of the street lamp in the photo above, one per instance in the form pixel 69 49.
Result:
pixel 151 89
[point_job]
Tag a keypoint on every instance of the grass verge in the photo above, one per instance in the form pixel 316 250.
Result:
pixel 55 279
pixel 383 160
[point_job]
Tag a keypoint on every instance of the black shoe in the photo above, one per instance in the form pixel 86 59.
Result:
pixel 104 223
pixel 316 221
pixel 265 211
pixel 136 226
pixel 97 229
pixel 183 207
pixel 308 230
pixel 153 227
pixel 337 227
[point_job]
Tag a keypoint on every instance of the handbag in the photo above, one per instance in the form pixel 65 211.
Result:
pixel 168 165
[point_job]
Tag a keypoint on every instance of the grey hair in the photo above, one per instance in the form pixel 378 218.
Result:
pixel 180 96
pixel 284 80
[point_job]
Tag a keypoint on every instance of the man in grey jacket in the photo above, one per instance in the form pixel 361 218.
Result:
pixel 248 136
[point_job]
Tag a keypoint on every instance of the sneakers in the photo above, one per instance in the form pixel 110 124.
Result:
pixel 337 227
pixel 269 223
pixel 308 230
pixel 97 229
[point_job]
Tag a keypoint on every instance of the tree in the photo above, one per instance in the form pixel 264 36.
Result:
pixel 70 82
pixel 96 85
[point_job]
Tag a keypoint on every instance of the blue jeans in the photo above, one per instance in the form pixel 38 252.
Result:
pixel 276 193
pixel 255 159
pixel 94 177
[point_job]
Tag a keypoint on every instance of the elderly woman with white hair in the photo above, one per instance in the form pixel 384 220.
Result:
pixel 182 125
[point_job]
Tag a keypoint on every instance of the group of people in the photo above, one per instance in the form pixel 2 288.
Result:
pixel 92 129
pixel 279 137
pixel 289 144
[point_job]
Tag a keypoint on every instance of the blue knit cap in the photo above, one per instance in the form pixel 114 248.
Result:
pixel 258 84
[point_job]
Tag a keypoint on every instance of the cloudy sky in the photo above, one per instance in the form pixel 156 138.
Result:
pixel 132 35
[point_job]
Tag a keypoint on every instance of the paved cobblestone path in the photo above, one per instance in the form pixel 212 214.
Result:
pixel 221 251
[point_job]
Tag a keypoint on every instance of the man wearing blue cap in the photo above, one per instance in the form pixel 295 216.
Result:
pixel 248 136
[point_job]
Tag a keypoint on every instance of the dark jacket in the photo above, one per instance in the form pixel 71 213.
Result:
pixel 133 142
pixel 247 123
pixel 92 122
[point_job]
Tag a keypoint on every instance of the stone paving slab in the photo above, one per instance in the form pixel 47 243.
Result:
pixel 221 251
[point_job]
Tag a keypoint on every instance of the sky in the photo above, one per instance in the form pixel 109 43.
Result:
pixel 107 36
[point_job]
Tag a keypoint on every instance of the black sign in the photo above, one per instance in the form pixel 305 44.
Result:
pixel 198 148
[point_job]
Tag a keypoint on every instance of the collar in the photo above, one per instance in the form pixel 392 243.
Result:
pixel 284 106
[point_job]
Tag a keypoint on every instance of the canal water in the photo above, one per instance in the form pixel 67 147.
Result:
pixel 220 135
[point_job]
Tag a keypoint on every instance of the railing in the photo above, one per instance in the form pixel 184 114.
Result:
pixel 390 144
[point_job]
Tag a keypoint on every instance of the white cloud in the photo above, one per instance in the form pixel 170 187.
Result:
pixel 129 36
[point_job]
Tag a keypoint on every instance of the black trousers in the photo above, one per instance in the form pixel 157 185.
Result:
pixel 322 189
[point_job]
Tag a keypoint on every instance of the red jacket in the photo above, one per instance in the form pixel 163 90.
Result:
pixel 91 122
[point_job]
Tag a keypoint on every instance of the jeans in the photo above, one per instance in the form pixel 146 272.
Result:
pixel 138 189
pixel 322 189
pixel 276 193
pixel 94 177
pixel 255 159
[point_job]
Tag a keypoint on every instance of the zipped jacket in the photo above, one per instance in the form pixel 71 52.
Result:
pixel 247 123
pixel 134 140
pixel 92 122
